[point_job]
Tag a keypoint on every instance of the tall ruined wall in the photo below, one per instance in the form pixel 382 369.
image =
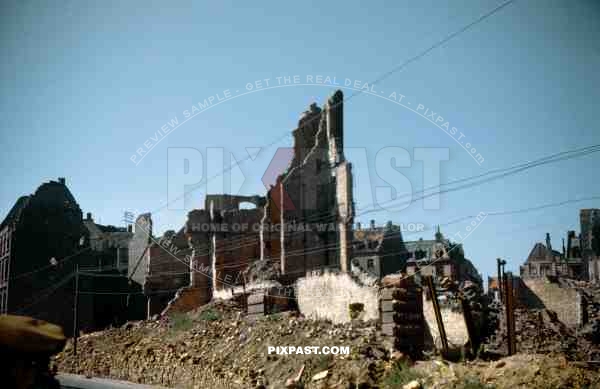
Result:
pixel 168 268
pixel 200 241
pixel 236 245
pixel 137 246
pixel 301 223
pixel 316 193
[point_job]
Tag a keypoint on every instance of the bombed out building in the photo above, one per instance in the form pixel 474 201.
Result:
pixel 379 251
pixel 41 238
pixel 45 245
pixel 303 223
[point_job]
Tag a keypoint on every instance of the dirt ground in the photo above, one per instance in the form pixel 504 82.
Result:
pixel 215 347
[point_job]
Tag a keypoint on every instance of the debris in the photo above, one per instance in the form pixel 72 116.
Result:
pixel 293 382
pixel 321 375
pixel 412 385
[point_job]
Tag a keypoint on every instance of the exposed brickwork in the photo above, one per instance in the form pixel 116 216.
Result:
pixel 401 316
pixel 314 192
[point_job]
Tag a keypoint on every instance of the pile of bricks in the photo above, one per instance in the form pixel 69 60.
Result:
pixel 255 304
pixel 270 301
pixel 401 315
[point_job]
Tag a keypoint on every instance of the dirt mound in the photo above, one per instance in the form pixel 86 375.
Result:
pixel 216 347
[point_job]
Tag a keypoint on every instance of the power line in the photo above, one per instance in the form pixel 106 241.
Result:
pixel 504 172
pixel 47 293
pixel 560 156
pixel 356 93
pixel 528 209
pixel 59 262
pixel 493 175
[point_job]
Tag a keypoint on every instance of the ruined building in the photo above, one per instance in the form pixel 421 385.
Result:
pixel 304 222
pixel 590 250
pixel 160 266
pixel 544 261
pixel 441 258
pixel 379 251
pixel 309 211
pixel 43 241
pixel 39 245
pixel 109 243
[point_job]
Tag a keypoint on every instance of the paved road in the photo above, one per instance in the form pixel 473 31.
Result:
pixel 72 381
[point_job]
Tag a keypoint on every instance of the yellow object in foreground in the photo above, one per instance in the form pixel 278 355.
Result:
pixel 28 335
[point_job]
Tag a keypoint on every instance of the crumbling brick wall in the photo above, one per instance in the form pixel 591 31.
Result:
pixel 137 248
pixel 563 301
pixel 236 247
pixel 304 222
pixel 315 192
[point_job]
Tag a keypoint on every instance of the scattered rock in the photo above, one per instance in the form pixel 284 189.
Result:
pixel 412 385
pixel 321 375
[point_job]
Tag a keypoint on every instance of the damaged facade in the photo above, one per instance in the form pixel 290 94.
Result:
pixel 590 249
pixel 440 258
pixel 160 266
pixel 303 223
pixel 44 243
pixel 379 251
pixel 544 261
pixel 109 243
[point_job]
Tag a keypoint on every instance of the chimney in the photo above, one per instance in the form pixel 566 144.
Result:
pixel 548 243
pixel 61 180
pixel 372 224
pixel 89 216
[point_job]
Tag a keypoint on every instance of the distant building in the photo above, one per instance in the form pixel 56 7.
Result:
pixel 589 218
pixel 493 290
pixel 40 243
pixel 544 261
pixel 379 251
pixel 110 243
pixel 440 258
pixel 159 266
pixel 43 240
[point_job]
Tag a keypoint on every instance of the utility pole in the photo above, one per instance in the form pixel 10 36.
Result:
pixel 75 326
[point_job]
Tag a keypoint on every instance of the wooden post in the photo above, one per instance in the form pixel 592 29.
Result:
pixel 510 318
pixel 75 326
pixel 500 281
pixel 468 317
pixel 438 314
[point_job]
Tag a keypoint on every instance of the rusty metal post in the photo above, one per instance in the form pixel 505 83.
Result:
pixel 500 281
pixel 468 317
pixel 510 318
pixel 438 314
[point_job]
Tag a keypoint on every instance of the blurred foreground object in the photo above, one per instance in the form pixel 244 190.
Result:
pixel 26 345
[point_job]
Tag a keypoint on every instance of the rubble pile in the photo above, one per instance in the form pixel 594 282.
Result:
pixel 521 371
pixel 216 346
pixel 540 332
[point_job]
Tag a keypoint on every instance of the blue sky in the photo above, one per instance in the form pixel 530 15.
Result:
pixel 85 84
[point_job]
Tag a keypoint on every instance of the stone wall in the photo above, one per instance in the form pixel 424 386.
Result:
pixel 328 297
pixel 543 294
pixel 454 325
pixel 137 248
